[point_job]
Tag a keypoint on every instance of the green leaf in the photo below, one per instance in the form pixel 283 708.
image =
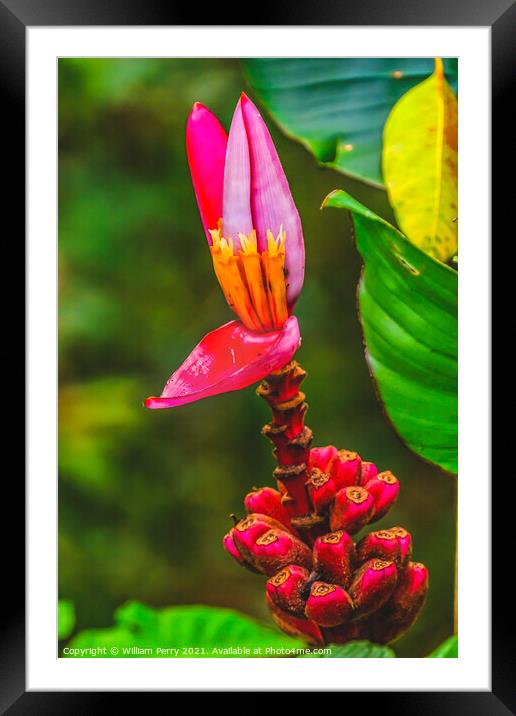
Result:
pixel 359 650
pixel 194 631
pixel 65 618
pixel 337 107
pixel 449 649
pixel 408 311
pixel 420 166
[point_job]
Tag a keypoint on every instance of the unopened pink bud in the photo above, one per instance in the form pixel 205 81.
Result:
pixel 372 585
pixel 344 468
pixel 246 532
pixel 295 626
pixel 328 604
pixel 394 544
pixel 351 510
pixel 232 549
pixel 321 456
pixel 267 501
pixel 411 590
pixel 276 549
pixel 405 542
pixel 368 470
pixel 321 489
pixel 287 589
pixel 404 606
pixel 384 488
pixel 334 556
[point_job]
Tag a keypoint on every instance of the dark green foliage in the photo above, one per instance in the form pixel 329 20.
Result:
pixel 337 107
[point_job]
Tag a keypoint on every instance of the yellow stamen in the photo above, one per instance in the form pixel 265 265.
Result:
pixel 248 244
pixel 253 275
pixel 228 272
pixel 276 245
pixel 253 283
pixel 215 236
pixel 226 249
pixel 273 261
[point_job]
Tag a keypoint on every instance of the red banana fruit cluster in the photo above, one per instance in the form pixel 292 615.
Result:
pixel 324 585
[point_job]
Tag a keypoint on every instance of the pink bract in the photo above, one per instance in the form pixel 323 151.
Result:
pixel 241 180
pixel 206 142
pixel 229 358
pixel 272 204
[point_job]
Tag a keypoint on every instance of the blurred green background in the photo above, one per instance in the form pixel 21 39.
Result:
pixel 144 496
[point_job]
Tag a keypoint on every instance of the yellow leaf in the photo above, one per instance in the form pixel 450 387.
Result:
pixel 419 163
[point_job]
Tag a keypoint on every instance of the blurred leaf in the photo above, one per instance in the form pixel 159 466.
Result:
pixel 90 414
pixel 420 165
pixel 199 628
pixel 358 650
pixel 337 107
pixel 408 311
pixel 65 618
pixel 102 403
pixel 106 79
pixel 449 649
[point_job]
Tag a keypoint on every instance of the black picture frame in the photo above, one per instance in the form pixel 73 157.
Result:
pixel 15 17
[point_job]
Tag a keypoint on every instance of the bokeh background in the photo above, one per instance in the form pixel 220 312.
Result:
pixel 144 496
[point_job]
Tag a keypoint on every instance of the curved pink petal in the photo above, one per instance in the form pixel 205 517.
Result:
pixel 206 143
pixel 236 204
pixel 229 358
pixel 272 204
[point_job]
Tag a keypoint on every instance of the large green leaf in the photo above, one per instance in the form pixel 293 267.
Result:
pixel 195 631
pixel 359 650
pixel 420 166
pixel 337 107
pixel 449 649
pixel 408 310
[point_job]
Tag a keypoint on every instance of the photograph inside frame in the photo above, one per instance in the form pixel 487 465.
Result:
pixel 240 239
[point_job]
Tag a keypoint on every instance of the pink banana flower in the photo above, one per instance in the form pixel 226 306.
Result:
pixel 256 243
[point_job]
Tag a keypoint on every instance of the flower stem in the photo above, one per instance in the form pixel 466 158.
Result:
pixel 289 434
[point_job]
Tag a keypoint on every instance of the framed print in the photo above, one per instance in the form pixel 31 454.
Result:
pixel 225 225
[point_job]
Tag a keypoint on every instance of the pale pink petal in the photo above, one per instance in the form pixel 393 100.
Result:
pixel 229 358
pixel 272 204
pixel 236 205
pixel 206 142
